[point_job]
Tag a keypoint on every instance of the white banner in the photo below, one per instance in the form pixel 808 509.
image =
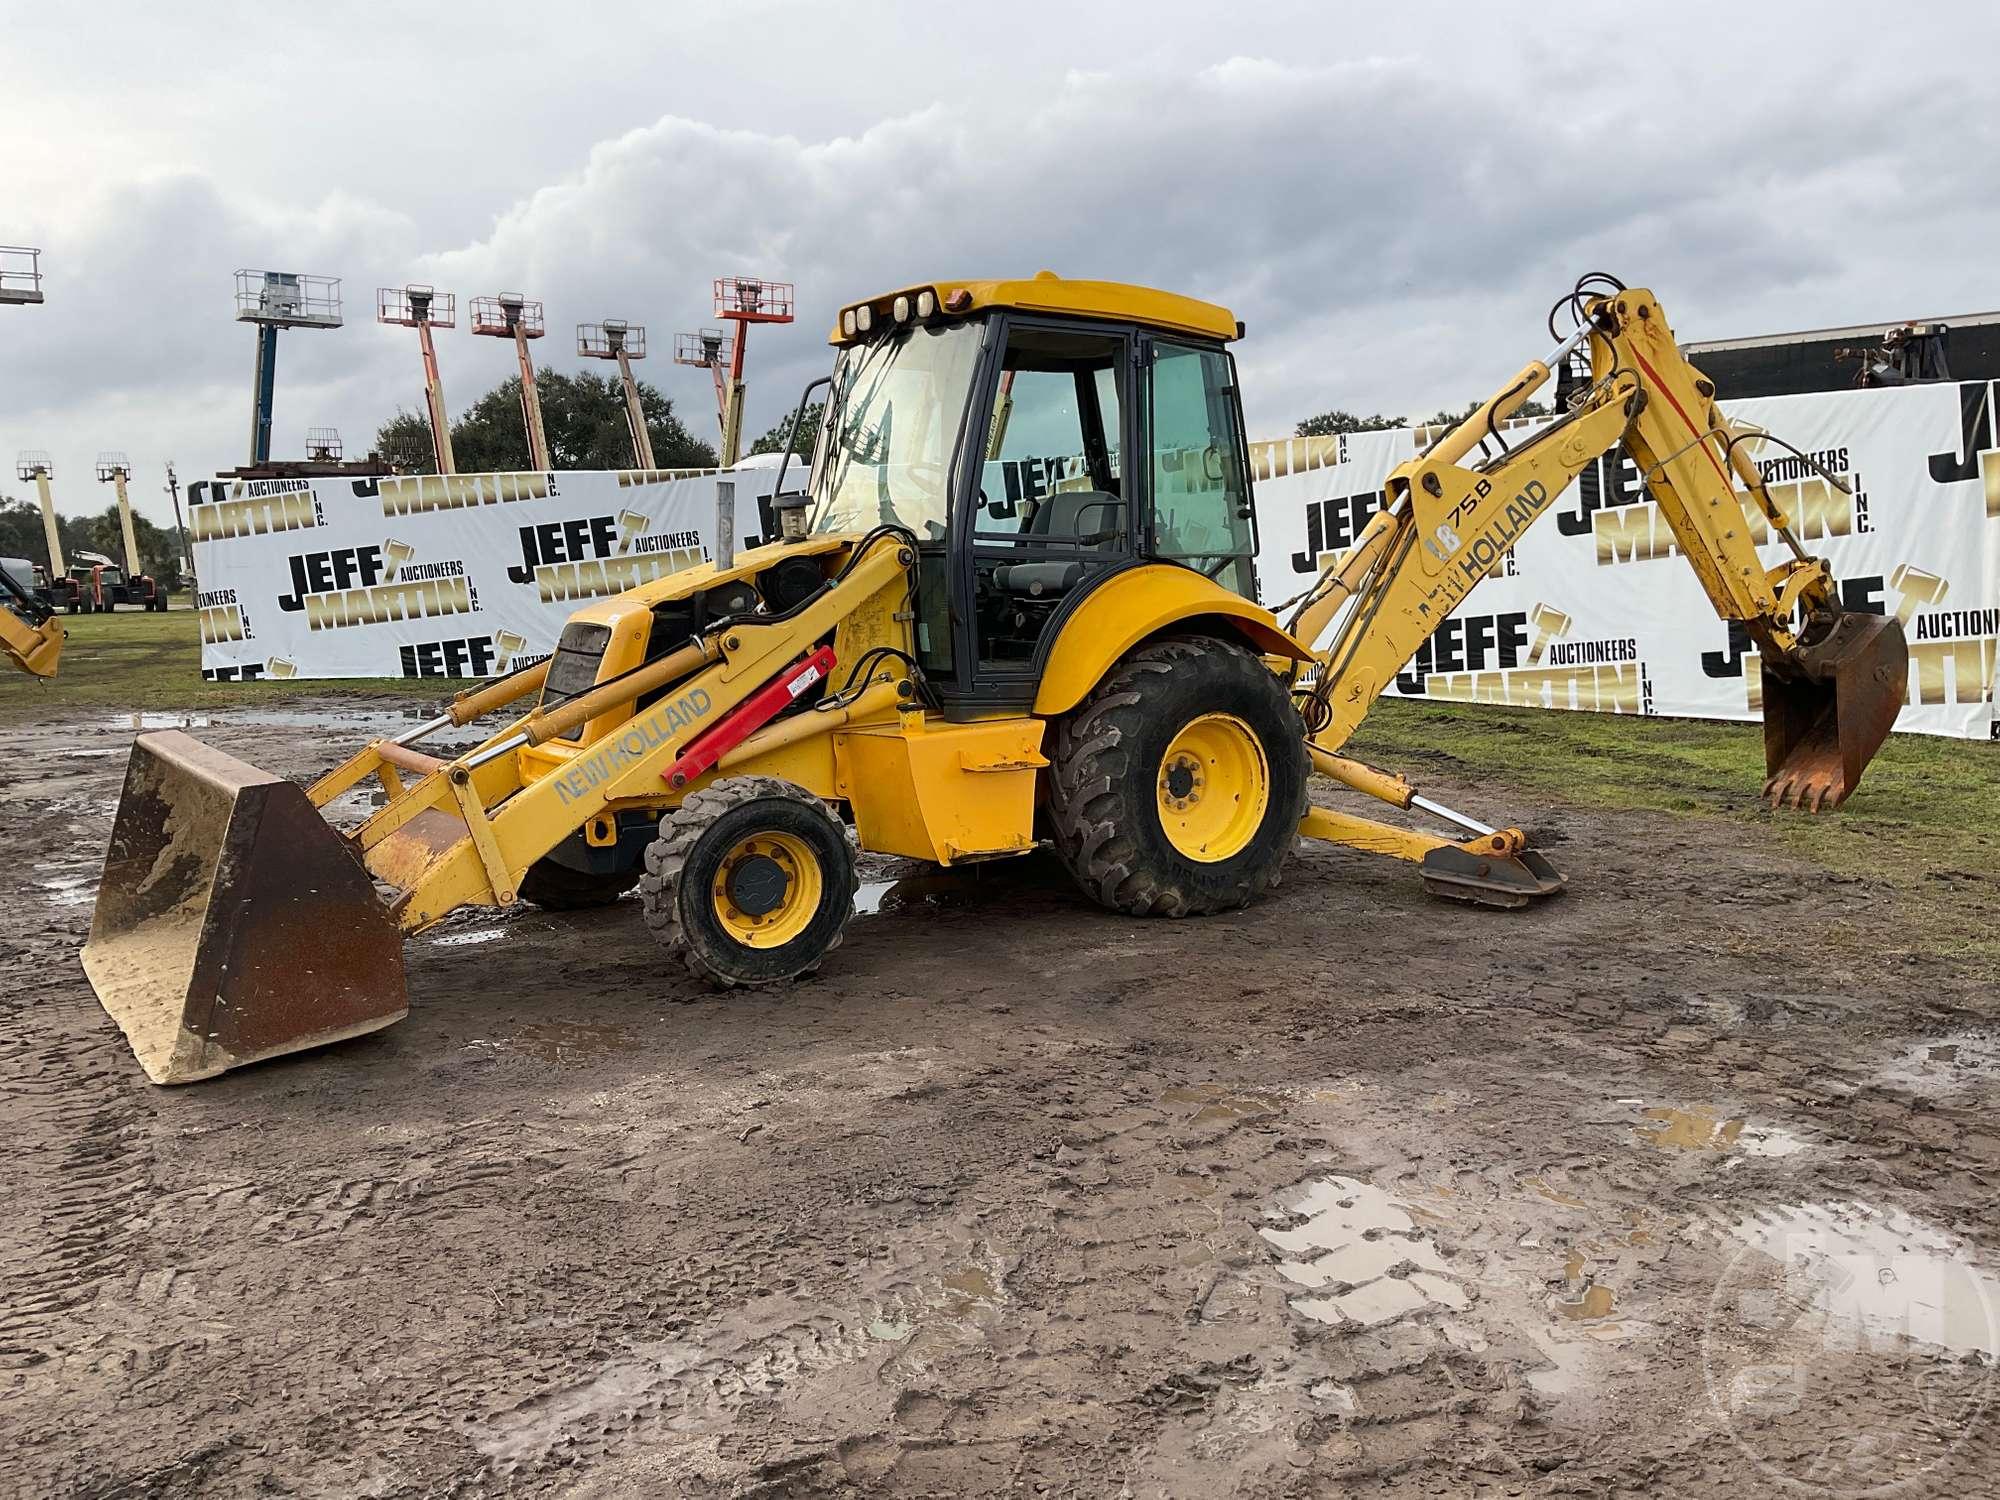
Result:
pixel 1595 609
pixel 468 575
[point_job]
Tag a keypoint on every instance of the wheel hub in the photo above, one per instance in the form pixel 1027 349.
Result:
pixel 767 889
pixel 757 885
pixel 1214 788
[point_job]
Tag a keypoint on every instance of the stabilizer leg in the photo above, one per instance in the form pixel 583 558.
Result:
pixel 1494 867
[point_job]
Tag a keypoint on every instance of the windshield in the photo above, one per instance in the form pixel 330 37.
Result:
pixel 892 421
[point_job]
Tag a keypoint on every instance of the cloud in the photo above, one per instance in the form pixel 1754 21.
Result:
pixel 1391 230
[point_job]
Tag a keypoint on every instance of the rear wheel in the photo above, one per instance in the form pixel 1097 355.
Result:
pixel 750 880
pixel 555 887
pixel 1176 788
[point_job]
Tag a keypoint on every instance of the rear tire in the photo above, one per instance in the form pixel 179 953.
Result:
pixel 1176 787
pixel 750 880
pixel 555 887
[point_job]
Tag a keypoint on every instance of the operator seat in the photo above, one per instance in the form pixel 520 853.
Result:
pixel 1097 515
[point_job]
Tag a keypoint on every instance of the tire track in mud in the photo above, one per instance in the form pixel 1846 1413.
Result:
pixel 79 1180
pixel 77 1175
pixel 695 1384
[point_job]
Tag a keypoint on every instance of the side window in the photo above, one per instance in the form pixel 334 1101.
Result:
pixel 1201 486
pixel 1056 421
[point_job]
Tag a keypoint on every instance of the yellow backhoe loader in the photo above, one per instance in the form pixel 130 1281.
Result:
pixel 1014 603
pixel 30 633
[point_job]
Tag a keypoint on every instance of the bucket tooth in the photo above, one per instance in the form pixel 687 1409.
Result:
pixel 232 922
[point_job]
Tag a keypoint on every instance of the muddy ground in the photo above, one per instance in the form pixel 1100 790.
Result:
pixel 1634 1193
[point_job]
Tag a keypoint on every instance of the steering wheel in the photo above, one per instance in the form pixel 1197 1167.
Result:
pixel 1222 561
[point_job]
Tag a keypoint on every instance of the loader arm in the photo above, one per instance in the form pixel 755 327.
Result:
pixel 1833 681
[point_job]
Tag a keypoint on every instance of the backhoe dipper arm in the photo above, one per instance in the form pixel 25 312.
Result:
pixel 1833 682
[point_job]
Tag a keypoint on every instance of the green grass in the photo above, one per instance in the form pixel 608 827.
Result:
pixel 136 660
pixel 1927 808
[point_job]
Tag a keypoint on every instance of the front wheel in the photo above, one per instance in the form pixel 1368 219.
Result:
pixel 1176 787
pixel 751 880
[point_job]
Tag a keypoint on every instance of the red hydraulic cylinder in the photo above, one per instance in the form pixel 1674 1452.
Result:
pixel 749 716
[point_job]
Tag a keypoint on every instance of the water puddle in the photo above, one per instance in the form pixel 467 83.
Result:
pixel 962 1309
pixel 1769 1140
pixel 1357 1249
pixel 561 1041
pixel 1945 1066
pixel 135 722
pixel 1700 1129
pixel 1220 1102
pixel 969 1289
pixel 69 890
pixel 1866 1273
pixel 1584 1299
pixel 909 892
pixel 1596 1302
pixel 467 939
pixel 84 754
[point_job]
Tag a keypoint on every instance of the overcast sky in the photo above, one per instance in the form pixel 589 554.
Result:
pixel 1390 196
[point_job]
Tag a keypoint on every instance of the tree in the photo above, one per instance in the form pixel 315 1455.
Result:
pixel 1330 423
pixel 1450 418
pixel 808 432
pixel 583 415
pixel 21 535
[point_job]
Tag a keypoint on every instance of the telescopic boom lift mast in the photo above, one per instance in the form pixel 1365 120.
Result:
pixel 273 300
pixel 617 339
pixel 512 316
pixel 744 300
pixel 711 350
pixel 424 308
pixel 21 285
pixel 34 464
pixel 113 469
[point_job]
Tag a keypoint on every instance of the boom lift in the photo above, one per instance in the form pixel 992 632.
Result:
pixel 1014 603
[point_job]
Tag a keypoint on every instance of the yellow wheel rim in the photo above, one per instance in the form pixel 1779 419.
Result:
pixel 1214 787
pixel 767 889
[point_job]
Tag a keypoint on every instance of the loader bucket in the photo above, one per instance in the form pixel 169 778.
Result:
pixel 1828 710
pixel 232 923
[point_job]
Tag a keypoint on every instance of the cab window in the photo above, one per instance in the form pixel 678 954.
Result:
pixel 1201 486
pixel 1051 511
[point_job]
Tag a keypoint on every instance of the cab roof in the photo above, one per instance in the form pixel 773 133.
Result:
pixel 1044 292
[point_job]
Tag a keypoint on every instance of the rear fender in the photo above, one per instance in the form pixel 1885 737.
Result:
pixel 1135 604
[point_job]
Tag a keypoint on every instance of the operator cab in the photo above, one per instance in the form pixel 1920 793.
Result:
pixel 995 421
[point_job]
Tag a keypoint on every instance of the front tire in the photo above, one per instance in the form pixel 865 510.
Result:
pixel 1176 787
pixel 750 880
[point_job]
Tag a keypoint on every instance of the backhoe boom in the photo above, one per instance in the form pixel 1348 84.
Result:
pixel 1833 681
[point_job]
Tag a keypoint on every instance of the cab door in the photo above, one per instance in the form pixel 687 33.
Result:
pixel 1049 511
pixel 1199 511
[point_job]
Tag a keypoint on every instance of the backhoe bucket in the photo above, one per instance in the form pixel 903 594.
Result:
pixel 1828 710
pixel 232 922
